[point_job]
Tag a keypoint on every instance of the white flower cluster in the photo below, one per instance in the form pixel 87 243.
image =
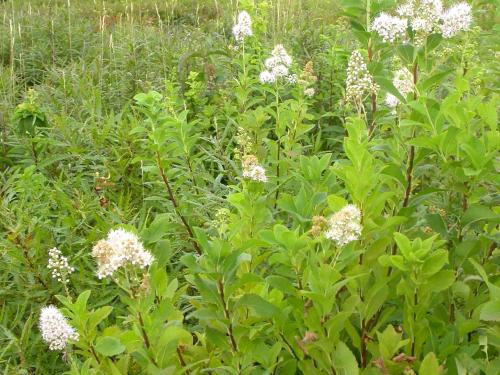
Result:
pixel 344 226
pixel 424 17
pixel 457 18
pixel 403 82
pixel 390 28
pixel 359 80
pixel 277 66
pixel 243 27
pixel 55 329
pixel 119 249
pixel 309 92
pixel 252 170
pixel 59 266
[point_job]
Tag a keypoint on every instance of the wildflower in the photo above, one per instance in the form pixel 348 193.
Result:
pixel 292 79
pixel 359 81
pixel 267 77
pixel 59 266
pixel 390 28
pixel 119 249
pixel 457 18
pixel 277 66
pixel 242 28
pixel 424 15
pixel 403 82
pixel 244 141
pixel 319 223
pixel 309 92
pixel 391 101
pixel 252 170
pixel 55 329
pixel 344 226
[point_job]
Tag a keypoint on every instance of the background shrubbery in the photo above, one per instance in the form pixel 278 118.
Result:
pixel 139 115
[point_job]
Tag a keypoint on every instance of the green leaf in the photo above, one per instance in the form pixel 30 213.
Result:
pixel 387 85
pixel 344 361
pixel 435 262
pixel 433 80
pixel 491 311
pixel 99 315
pixel 478 213
pixel 262 307
pixel 336 202
pixel 488 112
pixel 430 365
pixel 404 244
pixel 407 53
pixel 109 346
pixel 432 42
pixel 440 281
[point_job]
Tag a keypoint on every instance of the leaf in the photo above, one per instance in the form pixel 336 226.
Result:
pixel 281 283
pixel 441 280
pixel 404 244
pixel 434 79
pixel 435 262
pixel 432 42
pixel 488 112
pixel 407 53
pixel 262 307
pixel 478 213
pixel 109 346
pixel 430 365
pixel 491 311
pixel 335 202
pixel 99 315
pixel 387 85
pixel 389 342
pixel 344 361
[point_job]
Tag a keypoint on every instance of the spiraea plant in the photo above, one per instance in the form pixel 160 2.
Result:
pixel 300 191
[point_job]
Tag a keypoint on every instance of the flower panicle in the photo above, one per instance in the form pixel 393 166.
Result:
pixel 55 329
pixel 59 265
pixel 344 226
pixel 252 170
pixel 243 27
pixel 119 249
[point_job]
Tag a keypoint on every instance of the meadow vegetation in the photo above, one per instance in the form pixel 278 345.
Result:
pixel 249 187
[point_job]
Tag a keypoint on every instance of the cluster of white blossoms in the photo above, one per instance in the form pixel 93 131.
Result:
pixel 119 249
pixel 277 66
pixel 359 81
pixel 389 27
pixel 252 169
pixel 423 17
pixel 56 331
pixel 243 27
pixel 403 82
pixel 456 19
pixel 344 226
pixel 309 92
pixel 59 266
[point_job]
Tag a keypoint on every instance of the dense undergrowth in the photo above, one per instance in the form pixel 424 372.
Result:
pixel 229 206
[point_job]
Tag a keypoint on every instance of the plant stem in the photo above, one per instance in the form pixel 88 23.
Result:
pixel 220 287
pixel 278 145
pixel 411 153
pixel 363 344
pixel 94 354
pixel 145 337
pixel 174 202
pixel 181 359
pixel 373 97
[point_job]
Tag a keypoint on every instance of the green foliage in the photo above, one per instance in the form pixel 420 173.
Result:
pixel 146 117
